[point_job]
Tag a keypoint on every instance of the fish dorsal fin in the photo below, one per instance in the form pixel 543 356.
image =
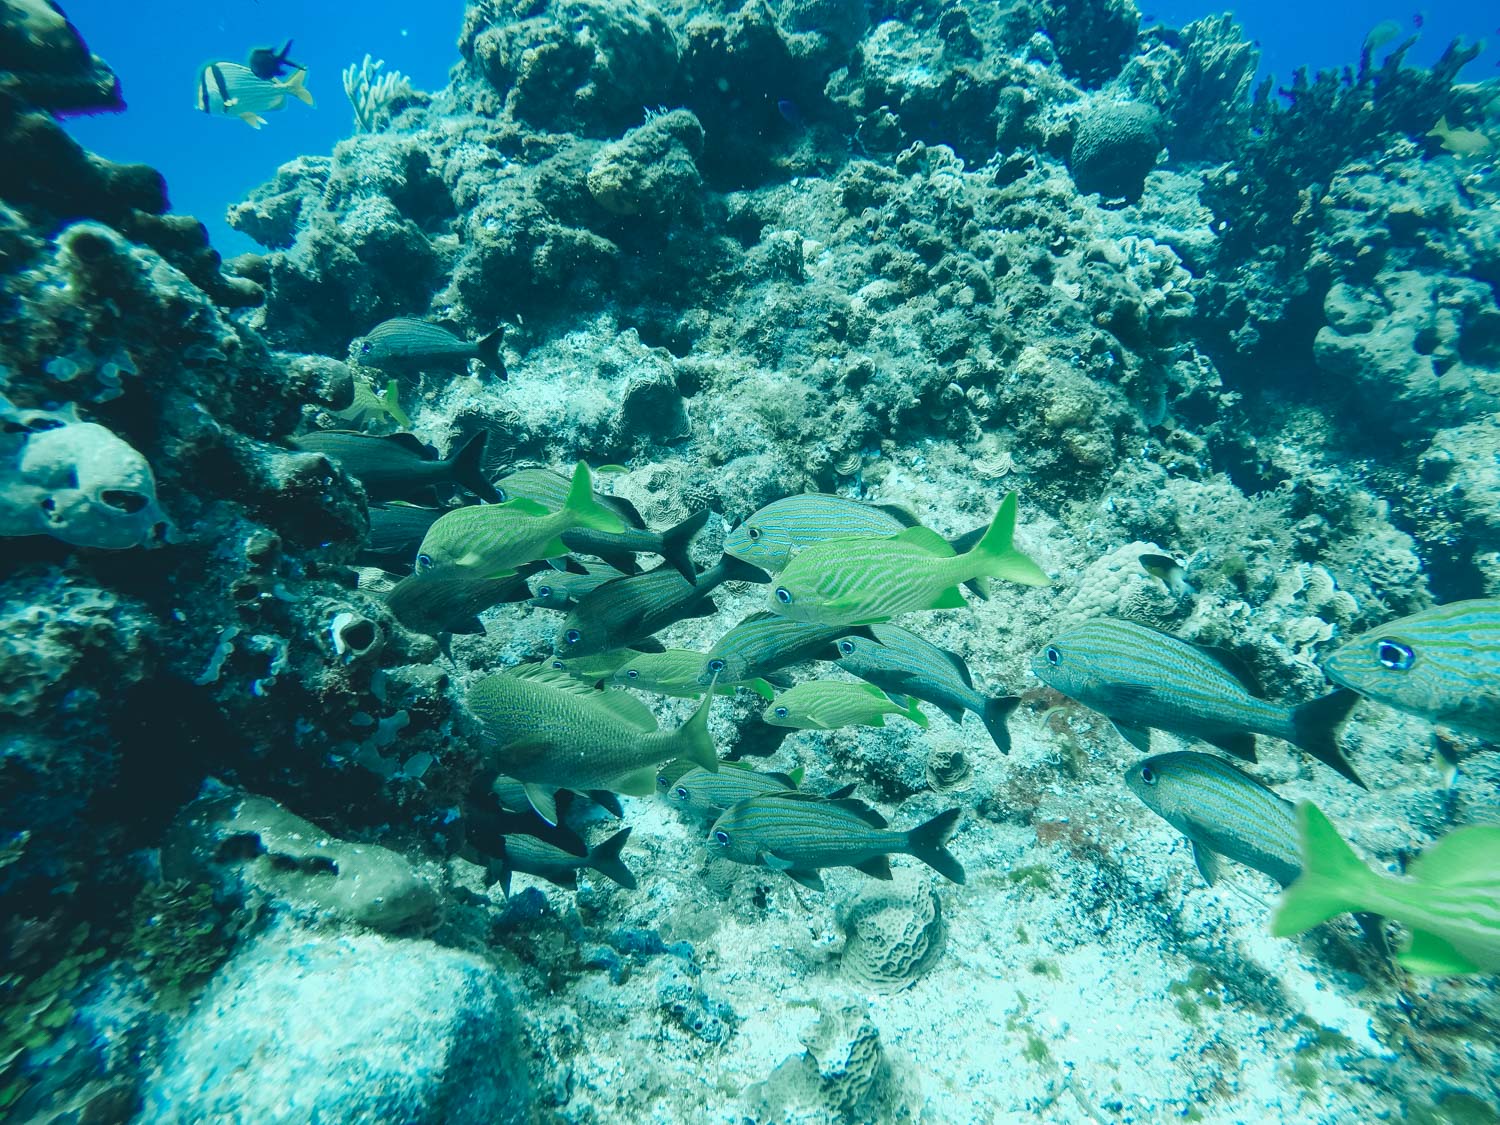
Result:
pixel 928 540
pixel 762 615
pixel 790 780
pixel 1464 857
pixel 841 791
pixel 625 706
pixel 901 512
pixel 875 693
pixel 863 811
pixel 958 665
pixel 409 442
pixel 1232 664
pixel 530 508
pixel 746 766
pixel 543 674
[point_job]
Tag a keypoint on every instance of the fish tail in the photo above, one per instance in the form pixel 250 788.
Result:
pixel 295 85
pixel 1315 728
pixel 914 713
pixel 583 509
pixel 927 842
pixel 605 859
pixel 489 352
pixel 996 552
pixel 691 742
pixel 1333 880
pixel 392 402
pixel 996 711
pixel 676 541
pixel 468 469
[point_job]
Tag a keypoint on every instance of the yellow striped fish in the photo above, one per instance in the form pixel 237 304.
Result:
pixel 764 643
pixel 1442 664
pixel 550 732
pixel 493 540
pixel 1222 812
pixel 1450 902
pixel 800 833
pixel 773 534
pixel 829 704
pixel 1141 678
pixel 675 672
pixel 863 581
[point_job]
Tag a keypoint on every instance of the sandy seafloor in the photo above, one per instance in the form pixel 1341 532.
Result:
pixel 924 255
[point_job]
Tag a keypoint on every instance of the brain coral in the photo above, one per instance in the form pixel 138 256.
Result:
pixel 1115 147
pixel 1117 585
pixel 895 934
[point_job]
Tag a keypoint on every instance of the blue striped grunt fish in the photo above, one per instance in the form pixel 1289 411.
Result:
pixel 902 664
pixel 773 534
pixel 550 490
pixel 550 732
pixel 675 672
pixel 449 599
pixel 1222 812
pixel 764 643
pixel 406 345
pixel 561 589
pixel 1450 901
pixel 629 609
pixel 801 833
pixel 710 794
pixel 494 540
pixel 1442 664
pixel 1141 678
pixel 829 704
pixel 557 865
pixel 863 581
pixel 396 466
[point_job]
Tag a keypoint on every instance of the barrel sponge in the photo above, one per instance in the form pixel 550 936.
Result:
pixel 894 934
pixel 1116 145
pixel 1117 585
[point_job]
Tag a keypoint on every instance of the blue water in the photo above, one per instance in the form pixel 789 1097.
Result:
pixel 157 49
pixel 212 162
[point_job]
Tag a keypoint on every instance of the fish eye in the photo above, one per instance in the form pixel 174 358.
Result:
pixel 662 781
pixel 716 665
pixel 722 837
pixel 781 712
pixel 783 595
pixel 424 562
pixel 846 647
pixel 572 636
pixel 1148 775
pixel 558 665
pixel 365 348
pixel 1394 655
pixel 680 793
pixel 632 674
pixel 544 591
pixel 1053 655
pixel 754 533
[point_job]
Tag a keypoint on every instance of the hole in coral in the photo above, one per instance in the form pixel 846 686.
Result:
pixel 124 499
pixel 358 635
pixel 242 845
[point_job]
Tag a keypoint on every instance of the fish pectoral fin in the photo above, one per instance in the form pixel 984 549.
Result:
pixel 810 879
pixel 951 598
pixel 1430 954
pixel 1208 864
pixel 1139 737
pixel 544 801
pixel 775 862
pixel 879 867
pixel 1239 743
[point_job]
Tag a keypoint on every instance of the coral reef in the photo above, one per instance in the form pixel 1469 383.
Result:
pixel 1239 358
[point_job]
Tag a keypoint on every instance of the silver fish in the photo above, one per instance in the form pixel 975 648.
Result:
pixel 800 833
pixel 1222 812
pixel 405 344
pixel 1141 678
pixel 902 663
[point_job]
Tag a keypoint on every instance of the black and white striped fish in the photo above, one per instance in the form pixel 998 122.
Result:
pixel 1142 679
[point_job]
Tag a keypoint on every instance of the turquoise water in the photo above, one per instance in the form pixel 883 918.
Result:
pixel 801 561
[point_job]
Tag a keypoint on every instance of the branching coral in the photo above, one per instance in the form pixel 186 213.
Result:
pixel 373 95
